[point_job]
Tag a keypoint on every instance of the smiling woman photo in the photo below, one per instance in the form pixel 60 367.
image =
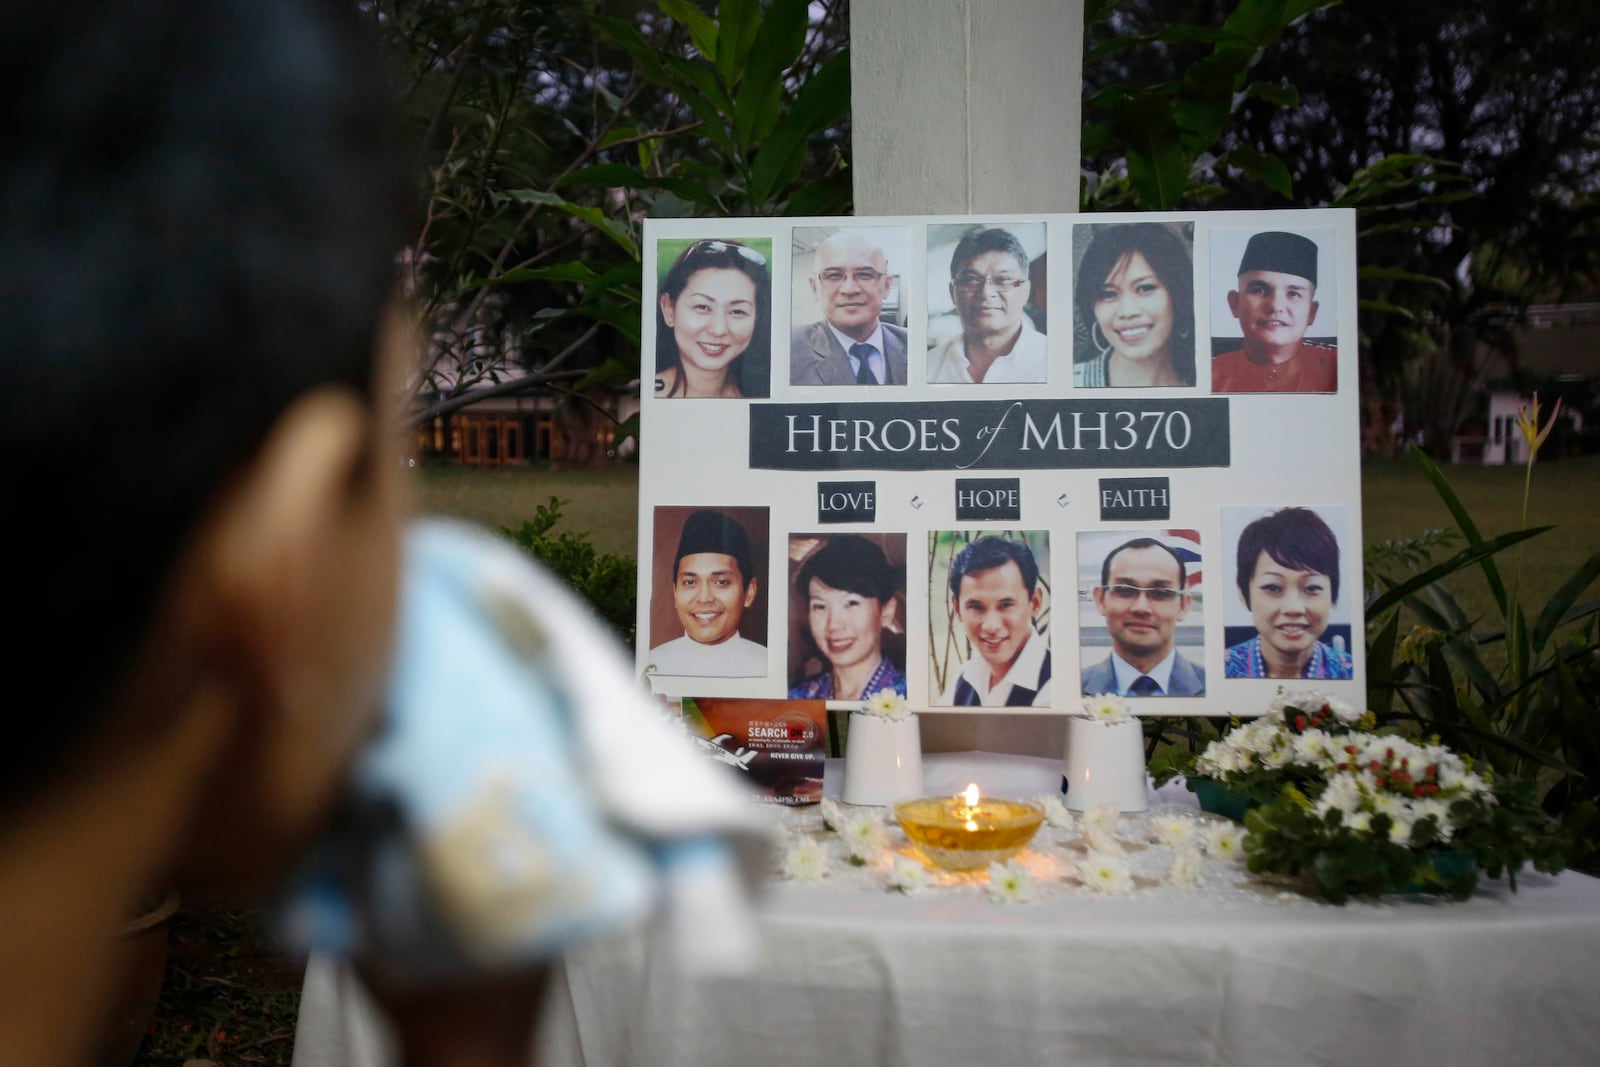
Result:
pixel 712 319
pixel 847 590
pixel 1288 577
pixel 1134 306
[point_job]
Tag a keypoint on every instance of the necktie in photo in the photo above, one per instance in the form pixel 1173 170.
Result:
pixel 864 375
pixel 1144 686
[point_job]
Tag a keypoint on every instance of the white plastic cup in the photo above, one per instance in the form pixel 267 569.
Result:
pixel 1104 764
pixel 883 759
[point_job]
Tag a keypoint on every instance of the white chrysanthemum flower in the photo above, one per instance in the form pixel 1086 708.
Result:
pixel 1226 842
pixel 1341 710
pixel 805 860
pixel 1174 831
pixel 1439 811
pixel 907 875
pixel 1387 804
pixel 1107 708
pixel 1009 883
pixel 1055 812
pixel 1314 746
pixel 1359 821
pixel 1342 792
pixel 1103 873
pixel 1187 870
pixel 887 704
pixel 1101 839
pixel 832 814
pixel 1400 828
pixel 1104 816
pixel 864 838
pixel 1279 757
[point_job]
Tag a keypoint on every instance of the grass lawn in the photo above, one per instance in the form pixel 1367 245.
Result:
pixel 605 503
pixel 1397 501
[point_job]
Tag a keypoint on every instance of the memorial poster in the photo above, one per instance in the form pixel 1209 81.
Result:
pixel 1002 461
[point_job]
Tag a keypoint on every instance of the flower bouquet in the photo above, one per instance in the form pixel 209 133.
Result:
pixel 1358 811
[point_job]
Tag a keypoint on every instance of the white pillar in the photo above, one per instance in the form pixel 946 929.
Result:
pixel 965 106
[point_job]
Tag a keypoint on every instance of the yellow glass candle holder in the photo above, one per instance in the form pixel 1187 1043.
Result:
pixel 963 833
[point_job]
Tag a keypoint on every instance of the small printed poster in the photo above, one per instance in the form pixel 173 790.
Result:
pixel 777 746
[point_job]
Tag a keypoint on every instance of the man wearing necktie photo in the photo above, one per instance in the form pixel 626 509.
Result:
pixel 1143 595
pixel 851 345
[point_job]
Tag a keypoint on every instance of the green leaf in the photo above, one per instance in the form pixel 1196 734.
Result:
pixel 592 215
pixel 1373 272
pixel 1262 167
pixel 1477 552
pixel 822 101
pixel 1555 611
pixel 702 27
pixel 1469 529
pixel 1157 169
pixel 1280 93
pixel 1380 667
pixel 622 176
pixel 738 22
pixel 779 39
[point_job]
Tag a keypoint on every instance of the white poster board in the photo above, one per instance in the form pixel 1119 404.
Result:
pixel 1157 396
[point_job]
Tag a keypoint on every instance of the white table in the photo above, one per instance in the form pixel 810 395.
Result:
pixel 1232 974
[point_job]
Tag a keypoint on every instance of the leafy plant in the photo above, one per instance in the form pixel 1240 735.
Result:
pixel 1356 809
pixel 608 582
pixel 1521 697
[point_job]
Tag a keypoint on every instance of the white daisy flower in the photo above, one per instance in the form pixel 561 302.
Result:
pixel 1009 883
pixel 864 838
pixel 1226 842
pixel 1175 831
pixel 832 814
pixel 1108 709
pixel 1187 870
pixel 1104 816
pixel 1101 873
pixel 805 860
pixel 1100 839
pixel 1055 812
pixel 887 704
pixel 907 875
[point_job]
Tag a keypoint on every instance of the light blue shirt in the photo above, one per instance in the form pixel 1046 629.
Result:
pixel 1127 673
pixel 880 368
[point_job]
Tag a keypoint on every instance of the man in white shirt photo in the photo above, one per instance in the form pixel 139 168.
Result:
pixel 998 343
pixel 712 586
pixel 996 595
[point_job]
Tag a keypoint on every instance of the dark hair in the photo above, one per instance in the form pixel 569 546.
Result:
pixel 1142 542
pixel 201 203
pixel 721 255
pixel 980 239
pixel 850 563
pixel 1294 537
pixel 1173 264
pixel 987 553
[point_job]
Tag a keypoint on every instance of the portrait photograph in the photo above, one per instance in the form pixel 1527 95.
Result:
pixel 1141 617
pixel 848 321
pixel 989 618
pixel 847 615
pixel 1293 573
pixel 1133 305
pixel 986 304
pixel 713 318
pixel 1274 311
pixel 708 599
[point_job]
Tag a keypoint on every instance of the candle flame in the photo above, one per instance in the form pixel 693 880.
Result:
pixel 971 794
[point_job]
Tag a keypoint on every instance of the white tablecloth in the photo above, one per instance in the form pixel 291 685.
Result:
pixel 854 975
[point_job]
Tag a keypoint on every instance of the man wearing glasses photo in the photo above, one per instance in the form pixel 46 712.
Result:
pixel 989 287
pixel 1143 595
pixel 851 345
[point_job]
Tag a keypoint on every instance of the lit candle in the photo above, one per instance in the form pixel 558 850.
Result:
pixel 967 830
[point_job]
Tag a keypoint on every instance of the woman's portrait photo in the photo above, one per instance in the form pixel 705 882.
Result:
pixel 1287 622
pixel 846 615
pixel 1133 304
pixel 714 319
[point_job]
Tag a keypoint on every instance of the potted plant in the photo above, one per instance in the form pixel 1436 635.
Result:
pixel 1353 810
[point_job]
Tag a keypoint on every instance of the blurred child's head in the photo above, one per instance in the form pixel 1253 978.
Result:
pixel 199 211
